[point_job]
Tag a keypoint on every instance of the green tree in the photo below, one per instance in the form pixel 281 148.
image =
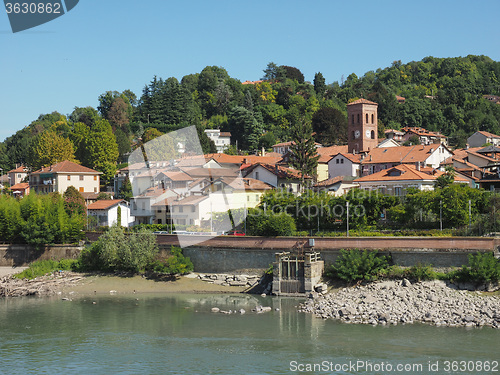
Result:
pixel 74 202
pixel 51 148
pixel 446 178
pixel 125 191
pixel 303 154
pixel 330 126
pixel 319 84
pixel 150 134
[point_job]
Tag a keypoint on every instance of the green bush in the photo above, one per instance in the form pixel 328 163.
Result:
pixel 43 267
pixel 177 263
pixel 483 268
pixel 115 251
pixel 270 224
pixel 353 265
pixel 420 272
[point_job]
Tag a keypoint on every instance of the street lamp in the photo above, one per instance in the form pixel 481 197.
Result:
pixel 347 206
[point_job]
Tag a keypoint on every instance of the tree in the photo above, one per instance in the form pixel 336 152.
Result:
pixel 74 202
pixel 446 178
pixel 102 150
pixel 291 73
pixel 87 115
pixel 118 114
pixel 303 154
pixel 330 126
pixel 51 148
pixel 122 141
pixel 245 127
pixel 319 84
pixel 125 191
pixel 150 134
pixel 271 72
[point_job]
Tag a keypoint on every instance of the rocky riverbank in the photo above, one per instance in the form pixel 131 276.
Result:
pixel 41 286
pixel 401 302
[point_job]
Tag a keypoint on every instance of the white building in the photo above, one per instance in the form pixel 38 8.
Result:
pixel 222 140
pixel 107 212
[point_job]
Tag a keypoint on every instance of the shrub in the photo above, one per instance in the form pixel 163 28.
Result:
pixel 270 224
pixel 356 265
pixel 483 268
pixel 115 251
pixel 177 263
pixel 420 272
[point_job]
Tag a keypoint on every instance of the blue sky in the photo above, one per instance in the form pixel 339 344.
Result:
pixel 104 45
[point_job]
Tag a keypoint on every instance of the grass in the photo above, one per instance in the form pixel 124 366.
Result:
pixel 43 267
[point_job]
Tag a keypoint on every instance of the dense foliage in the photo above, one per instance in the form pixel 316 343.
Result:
pixel 43 267
pixel 260 223
pixel 442 94
pixel 39 220
pixel 116 251
pixel 354 265
pixel 176 263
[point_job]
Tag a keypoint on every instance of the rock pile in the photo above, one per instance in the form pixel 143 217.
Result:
pixel 396 302
pixel 40 286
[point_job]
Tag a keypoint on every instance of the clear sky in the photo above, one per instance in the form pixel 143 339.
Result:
pixel 104 45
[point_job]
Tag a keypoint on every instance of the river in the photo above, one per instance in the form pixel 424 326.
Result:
pixel 178 334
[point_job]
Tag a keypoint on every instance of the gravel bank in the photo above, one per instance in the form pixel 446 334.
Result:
pixel 401 302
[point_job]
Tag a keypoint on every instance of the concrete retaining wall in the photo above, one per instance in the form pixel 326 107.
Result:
pixel 22 255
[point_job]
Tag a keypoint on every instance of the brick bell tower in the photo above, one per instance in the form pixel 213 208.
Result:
pixel 362 128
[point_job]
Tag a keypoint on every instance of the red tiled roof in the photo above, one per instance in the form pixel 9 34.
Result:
pixel 21 169
pixel 251 82
pixel 177 176
pixel 104 204
pixel 66 167
pixel 326 153
pixel 355 158
pixel 362 101
pixel 20 186
pixel 407 173
pixel 279 170
pixel 402 154
pixel 422 131
pixel 192 200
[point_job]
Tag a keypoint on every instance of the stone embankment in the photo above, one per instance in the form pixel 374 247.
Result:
pixel 401 302
pixel 41 286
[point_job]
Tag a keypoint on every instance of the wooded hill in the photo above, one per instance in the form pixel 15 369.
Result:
pixel 441 94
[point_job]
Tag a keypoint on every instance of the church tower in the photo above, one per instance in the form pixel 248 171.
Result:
pixel 362 129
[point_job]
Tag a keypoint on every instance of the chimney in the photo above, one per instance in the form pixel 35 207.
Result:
pixel 418 166
pixel 263 153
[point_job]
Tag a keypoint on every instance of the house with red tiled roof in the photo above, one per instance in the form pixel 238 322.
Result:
pixel 20 189
pixel 396 180
pixel 108 212
pixel 419 155
pixel 325 155
pixel 425 137
pixel 344 164
pixel 278 176
pixel 17 175
pixel 60 176
pixel 337 186
pixel 480 138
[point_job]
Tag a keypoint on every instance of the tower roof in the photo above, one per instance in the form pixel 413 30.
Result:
pixel 362 101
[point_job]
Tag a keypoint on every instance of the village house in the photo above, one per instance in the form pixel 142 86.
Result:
pixel 481 138
pixel 344 164
pixel 141 206
pixel 222 140
pixel 277 176
pixel 398 179
pixel 20 189
pixel 17 175
pixel 425 137
pixel 325 155
pixel 108 212
pixel 60 176
pixel 337 186
pixel 419 155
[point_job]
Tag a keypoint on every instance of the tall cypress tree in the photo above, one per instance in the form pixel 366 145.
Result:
pixel 303 154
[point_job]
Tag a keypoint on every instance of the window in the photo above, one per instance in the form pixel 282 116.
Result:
pixel 81 177
pixel 358 118
pixel 95 178
pixel 373 134
pixel 256 175
pixel 95 190
pixel 193 208
pixel 80 189
pixel 19 175
pixel 181 209
pixel 341 161
pixel 69 178
pixel 353 137
pixel 366 118
pixel 352 119
pixel 397 190
pixel 372 118
pixel 337 161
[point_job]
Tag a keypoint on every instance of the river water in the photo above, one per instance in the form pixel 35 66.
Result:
pixel 178 334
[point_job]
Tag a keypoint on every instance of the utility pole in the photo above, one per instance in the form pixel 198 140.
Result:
pixel 347 207
pixel 470 215
pixel 441 215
